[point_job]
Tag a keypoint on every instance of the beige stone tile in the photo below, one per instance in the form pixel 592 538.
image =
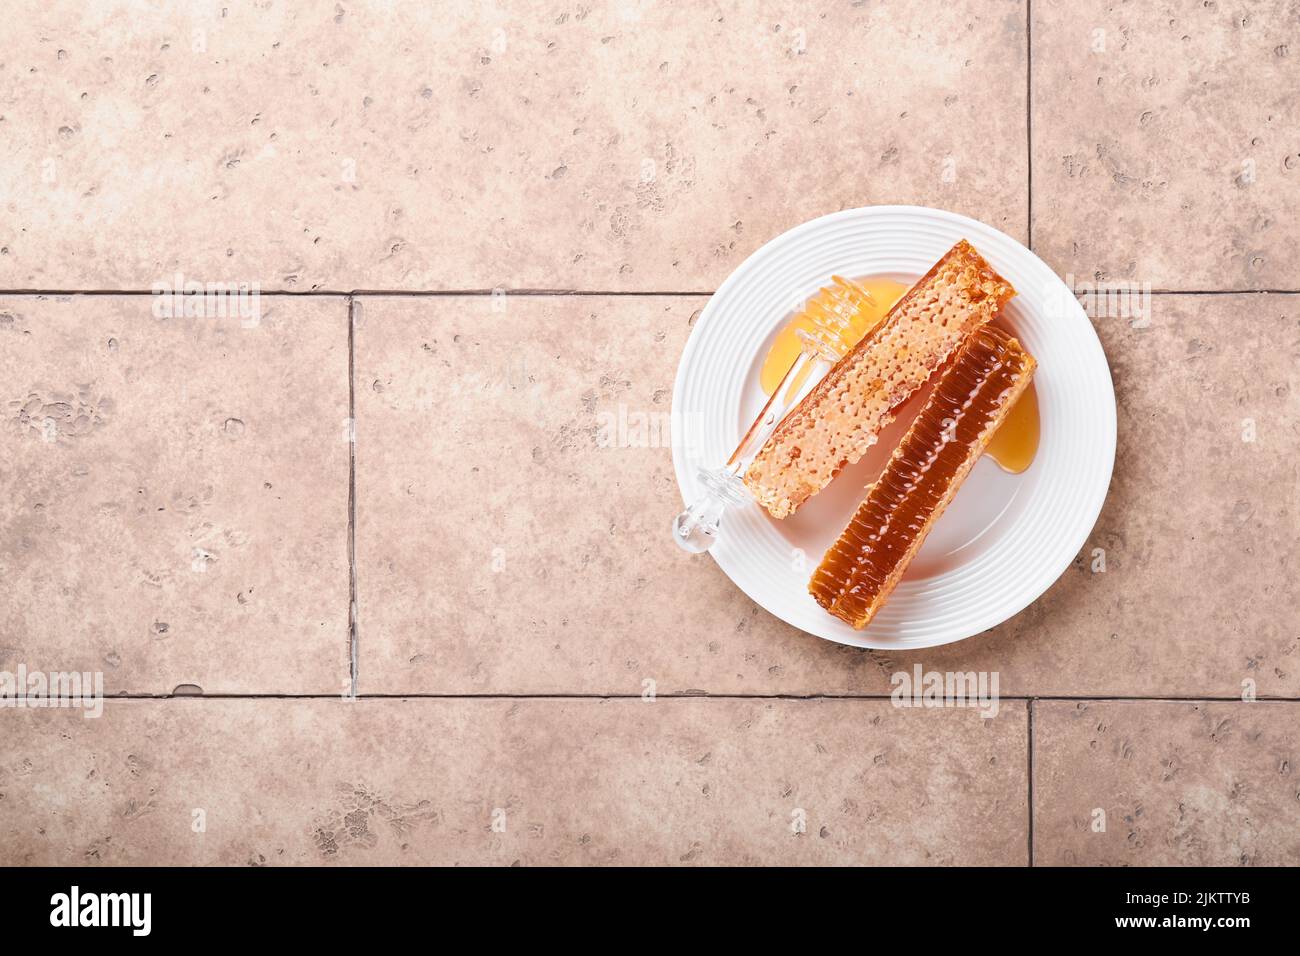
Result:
pixel 631 146
pixel 572 781
pixel 173 498
pixel 503 548
pixel 1180 784
pixel 1165 145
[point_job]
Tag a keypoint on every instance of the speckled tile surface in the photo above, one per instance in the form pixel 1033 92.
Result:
pixel 533 782
pixel 558 574
pixel 1166 142
pixel 633 146
pixel 1163 783
pixel 173 501
pixel 182 506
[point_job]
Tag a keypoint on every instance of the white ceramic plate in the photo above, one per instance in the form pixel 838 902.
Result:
pixel 1005 538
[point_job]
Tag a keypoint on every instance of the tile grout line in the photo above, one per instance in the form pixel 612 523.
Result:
pixel 811 698
pixel 529 293
pixel 1029 242
pixel 353 656
pixel 1030 753
pixel 1029 123
pixel 385 293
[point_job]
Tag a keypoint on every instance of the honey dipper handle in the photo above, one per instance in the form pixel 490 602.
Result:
pixel 696 529
pixel 830 316
pixel 784 397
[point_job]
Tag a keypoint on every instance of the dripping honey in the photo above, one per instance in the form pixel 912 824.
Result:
pixel 1014 444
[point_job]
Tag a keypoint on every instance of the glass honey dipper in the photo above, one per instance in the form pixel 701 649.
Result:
pixel 830 324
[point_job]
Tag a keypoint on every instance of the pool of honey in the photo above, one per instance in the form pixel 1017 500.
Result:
pixel 1015 443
